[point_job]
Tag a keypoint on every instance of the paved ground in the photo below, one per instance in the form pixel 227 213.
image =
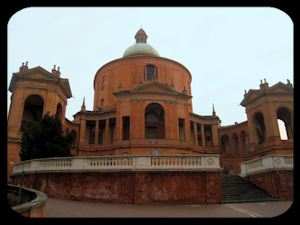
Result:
pixel 68 208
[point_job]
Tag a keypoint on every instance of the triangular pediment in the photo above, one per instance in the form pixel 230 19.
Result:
pixel 37 72
pixel 280 87
pixel 276 89
pixel 153 86
pixel 65 84
pixel 250 95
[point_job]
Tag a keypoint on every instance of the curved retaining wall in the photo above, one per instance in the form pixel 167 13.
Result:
pixel 32 201
pixel 188 179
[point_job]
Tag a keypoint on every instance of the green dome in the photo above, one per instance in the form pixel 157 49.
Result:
pixel 140 47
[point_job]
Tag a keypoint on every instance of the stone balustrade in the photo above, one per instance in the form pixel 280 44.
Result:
pixel 207 162
pixel 267 163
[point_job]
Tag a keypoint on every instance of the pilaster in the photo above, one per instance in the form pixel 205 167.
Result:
pixel 141 120
pixel 107 131
pixel 203 139
pixel 134 120
pixel 168 120
pixel 175 122
pixel 215 135
pixel 96 131
pixel 187 123
pixel 195 133
pixel 119 121
pixel 82 131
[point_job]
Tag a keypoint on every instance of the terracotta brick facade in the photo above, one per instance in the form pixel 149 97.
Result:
pixel 129 188
pixel 143 106
pixel 279 184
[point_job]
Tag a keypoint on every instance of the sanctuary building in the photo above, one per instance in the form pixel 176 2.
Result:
pixel 143 106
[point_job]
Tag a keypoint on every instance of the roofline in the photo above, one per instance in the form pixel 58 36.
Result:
pixel 234 125
pixel 53 79
pixel 204 117
pixel 95 112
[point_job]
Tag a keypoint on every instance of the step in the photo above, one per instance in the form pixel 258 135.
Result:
pixel 241 187
pixel 237 190
pixel 256 199
pixel 246 194
pixel 243 191
pixel 249 200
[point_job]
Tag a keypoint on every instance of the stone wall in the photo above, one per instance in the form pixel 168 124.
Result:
pixel 273 173
pixel 32 202
pixel 129 187
pixel 279 184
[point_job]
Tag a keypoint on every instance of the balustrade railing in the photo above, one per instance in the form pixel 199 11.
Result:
pixel 267 163
pixel 133 162
pixel 176 161
pixel 109 162
pixel 55 163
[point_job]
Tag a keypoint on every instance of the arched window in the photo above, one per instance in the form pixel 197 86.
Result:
pixel 225 143
pixel 285 129
pixel 33 111
pixel 154 122
pixel 260 128
pixel 74 134
pixel 150 73
pixel 59 111
pixel 244 141
pixel 236 142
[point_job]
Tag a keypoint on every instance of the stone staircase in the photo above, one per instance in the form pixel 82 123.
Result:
pixel 237 190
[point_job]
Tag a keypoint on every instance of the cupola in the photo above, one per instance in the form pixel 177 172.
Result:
pixel 141 36
pixel 140 47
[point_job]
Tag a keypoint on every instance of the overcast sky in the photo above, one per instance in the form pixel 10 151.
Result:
pixel 226 50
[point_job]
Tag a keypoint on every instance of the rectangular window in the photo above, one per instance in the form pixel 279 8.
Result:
pixel 102 103
pixel 103 85
pixel 112 130
pixel 181 130
pixel 155 152
pixel 150 72
pixel 208 135
pixel 126 127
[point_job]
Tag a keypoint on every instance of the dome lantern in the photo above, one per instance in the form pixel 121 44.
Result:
pixel 141 36
pixel 140 47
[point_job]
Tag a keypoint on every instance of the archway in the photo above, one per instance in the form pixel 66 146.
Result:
pixel 244 140
pixel 284 115
pixel 33 111
pixel 260 127
pixel 154 122
pixel 74 134
pixel 225 143
pixel 228 170
pixel 236 142
pixel 59 111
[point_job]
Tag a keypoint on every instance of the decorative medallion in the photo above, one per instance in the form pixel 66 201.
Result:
pixel 278 161
pixel 210 161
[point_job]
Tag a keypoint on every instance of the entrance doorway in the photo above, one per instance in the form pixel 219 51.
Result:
pixel 154 122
